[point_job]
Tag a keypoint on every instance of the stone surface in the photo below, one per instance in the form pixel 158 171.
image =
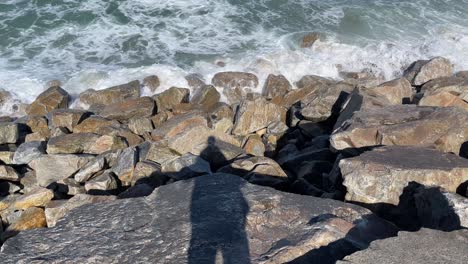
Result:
pixel 9 132
pixel 55 167
pixel 104 182
pixel 8 173
pixel 87 171
pixel 125 164
pixel 235 85
pixel 111 95
pixel 140 126
pixel 148 172
pixel 254 146
pixel 67 118
pixel 309 39
pixel 31 218
pixel 207 96
pixel 423 71
pixel 123 132
pixel 444 128
pixel 381 175
pixel 38 196
pixel 7 188
pixel 171 97
pixel 93 123
pixel 158 152
pixel 152 83
pixel 28 151
pixel 446 91
pixel 7 157
pixel 70 186
pixel 178 124
pixel 185 167
pixel 52 98
pixel 131 108
pixel 255 115
pixel 189 221
pixel 396 91
pixel 72 143
pixel 425 246
pixel 276 85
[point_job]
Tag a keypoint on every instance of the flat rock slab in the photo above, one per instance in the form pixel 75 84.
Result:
pixel 445 128
pixel 425 246
pixel 380 175
pixel 202 220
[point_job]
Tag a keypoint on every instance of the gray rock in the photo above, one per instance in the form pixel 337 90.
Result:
pixel 8 173
pixel 423 71
pixel 185 167
pixel 125 164
pixel 70 186
pixel 28 151
pixel 67 118
pixel 9 132
pixel 425 246
pixel 91 168
pixel 104 182
pixel 191 221
pixel 132 108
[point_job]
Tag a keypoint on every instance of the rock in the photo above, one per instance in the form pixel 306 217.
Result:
pixel 309 39
pixel 171 97
pixel 207 96
pixel 258 170
pixel 31 218
pixel 7 188
pixel 108 143
pixel 445 91
pixel 132 108
pixel 53 83
pixel 291 161
pixel 55 167
pixel 125 164
pixel 28 151
pixel 195 81
pixel 235 84
pixel 111 95
pixel 254 146
pixel 425 246
pixel 159 119
pixel 255 115
pixel 8 173
pixel 70 187
pixel 139 190
pixel 105 182
pixel 305 86
pixel 149 173
pixel 36 136
pixel 37 197
pixel 444 128
pixel 255 224
pixel 28 181
pixel 94 123
pixel 380 175
pixel 35 123
pixel 123 132
pixel 52 98
pixel 152 83
pixel 140 126
pixel 90 169
pixel 276 85
pixel 158 152
pixel 397 91
pixel 217 152
pixel 67 118
pixel 9 133
pixel 58 131
pixel 185 167
pixel 178 124
pixel 423 71
pixel 72 143
pixel 59 209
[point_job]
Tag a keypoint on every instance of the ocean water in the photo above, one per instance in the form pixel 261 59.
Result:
pixel 99 43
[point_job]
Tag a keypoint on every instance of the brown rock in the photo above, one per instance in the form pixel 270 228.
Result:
pixel 195 81
pixel 7 157
pixel 276 85
pixel 132 108
pixel 93 124
pixel 52 98
pixel 141 125
pixel 255 115
pixel 30 219
pixel 131 138
pixel 178 124
pixel 104 182
pixel 37 197
pixel 396 91
pixel 158 152
pixel 152 82
pixel 446 91
pixel 254 146
pixel 235 84
pixel 171 97
pixel 309 39
pixel 67 118
pixel 148 172
pixel 72 143
pixel 8 173
pixel 111 95
pixel 159 119
pixel 207 96
pixel 423 71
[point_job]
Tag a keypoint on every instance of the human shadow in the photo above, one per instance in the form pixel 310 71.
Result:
pixel 218 218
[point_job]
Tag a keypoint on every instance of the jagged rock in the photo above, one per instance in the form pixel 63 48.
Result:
pixel 104 182
pixel 235 85
pixel 70 186
pixel 108 143
pixel 35 123
pixel 159 118
pixel 171 97
pixel 123 132
pixel 55 167
pixel 31 218
pixel 446 91
pixel 140 126
pixel 29 181
pixel 87 171
pixel 207 96
pixel 305 86
pixel 111 95
pixel 58 209
pixel 52 98
pixel 423 71
pixel 148 172
pixel 9 132
pixel 28 151
pixel 380 175
pixel 152 82
pixel 185 167
pixel 217 152
pixel 178 124
pixel 397 91
pixel 242 222
pixel 8 173
pixel 139 190
pixel 125 164
pixel 425 246
pixel 131 108
pixel 195 81
pixel 58 131
pixel 93 124
pixel 38 196
pixel 445 128
pixel 158 152
pixel 84 143
pixel 255 115
pixel 67 118
pixel 254 146
pixel 276 85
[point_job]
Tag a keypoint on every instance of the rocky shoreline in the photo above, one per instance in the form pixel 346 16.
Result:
pixel 310 174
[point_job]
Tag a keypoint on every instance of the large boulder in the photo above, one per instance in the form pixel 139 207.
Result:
pixel 425 246
pixel 111 95
pixel 446 91
pixel 207 96
pixel 93 124
pixel 444 128
pixel 194 221
pixel 235 85
pixel 381 175
pixel 276 85
pixel 52 98
pixel 423 71
pixel 396 91
pixel 132 108
pixel 28 151
pixel 255 115
pixel 171 97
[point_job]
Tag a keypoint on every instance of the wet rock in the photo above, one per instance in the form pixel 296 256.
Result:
pixel 111 95
pixel 309 39
pixel 255 115
pixel 31 218
pixel 207 96
pixel 425 246
pixel 9 132
pixel 28 151
pixel 171 97
pixel 423 71
pixel 67 118
pixel 105 182
pixel 444 128
pixel 151 82
pixel 8 173
pixel 52 98
pixel 276 85
pixel 93 124
pixel 380 175
pixel 37 197
pixel 55 167
pixel 185 167
pixel 195 81
pixel 277 227
pixel 235 85
pixel 132 108
pixel 60 208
